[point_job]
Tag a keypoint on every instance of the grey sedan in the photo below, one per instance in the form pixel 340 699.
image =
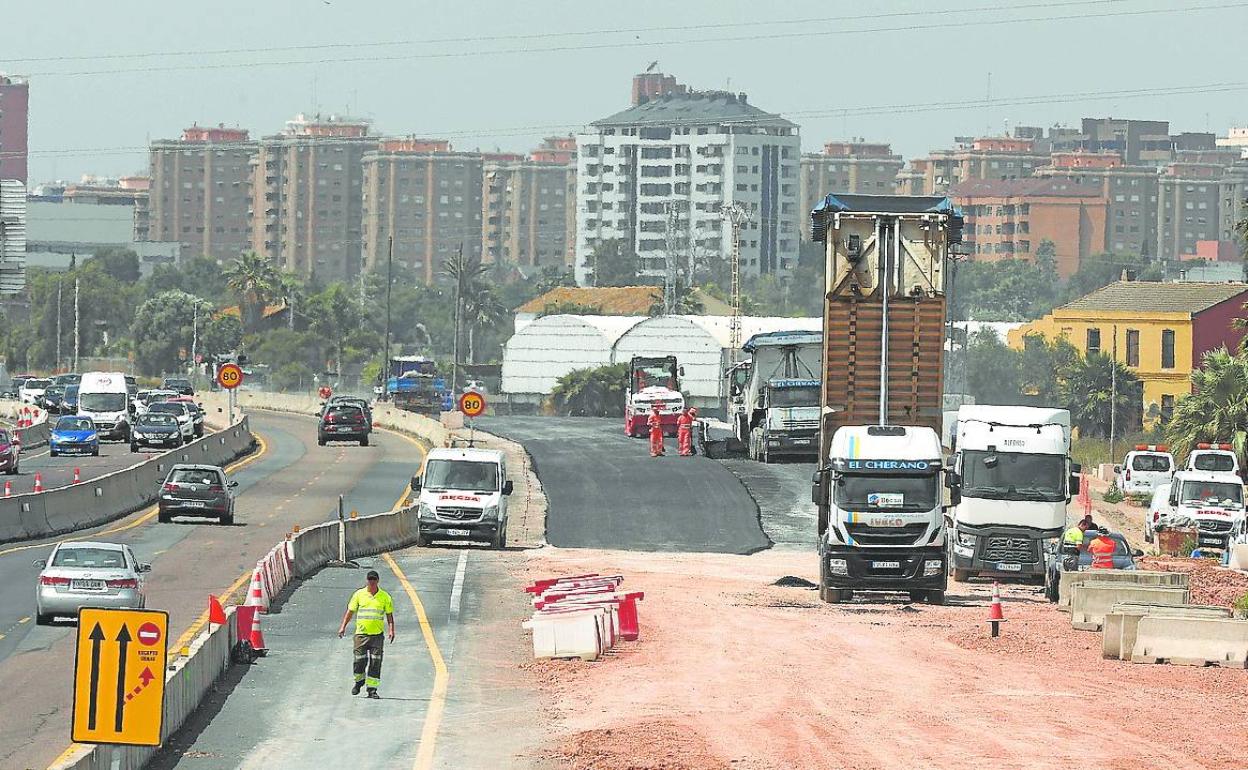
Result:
pixel 77 575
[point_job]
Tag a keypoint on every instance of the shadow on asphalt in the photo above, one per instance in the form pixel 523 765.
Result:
pixel 171 753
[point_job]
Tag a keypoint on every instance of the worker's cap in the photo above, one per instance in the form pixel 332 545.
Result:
pixel 372 575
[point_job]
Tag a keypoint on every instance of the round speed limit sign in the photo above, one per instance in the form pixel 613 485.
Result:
pixel 472 404
pixel 230 376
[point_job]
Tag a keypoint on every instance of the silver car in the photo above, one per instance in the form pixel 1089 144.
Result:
pixel 77 575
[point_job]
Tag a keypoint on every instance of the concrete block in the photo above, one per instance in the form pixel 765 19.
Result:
pixel 1191 641
pixel 1122 623
pixel 1091 601
pixel 1138 577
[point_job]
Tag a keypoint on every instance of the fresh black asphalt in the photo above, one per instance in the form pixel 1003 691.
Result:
pixel 605 491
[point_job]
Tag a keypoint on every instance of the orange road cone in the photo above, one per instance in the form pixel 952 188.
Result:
pixel 216 613
pixel 77 477
pixel 255 596
pixel 38 482
pixel 257 638
pixel 995 615
pixel 8 489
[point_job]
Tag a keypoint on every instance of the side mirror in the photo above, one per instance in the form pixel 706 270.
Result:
pixel 955 495
pixel 1073 484
pixel 817 493
pixel 233 485
pixel 40 563
pixel 1137 553
pixel 507 487
pixel 1117 469
pixel 952 480
pixel 145 568
pixel 415 484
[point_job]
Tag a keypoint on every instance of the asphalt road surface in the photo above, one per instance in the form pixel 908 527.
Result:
pixel 782 491
pixel 605 490
pixel 292 482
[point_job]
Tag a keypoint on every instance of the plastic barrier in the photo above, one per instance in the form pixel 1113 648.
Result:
pixel 100 500
pixel 1138 577
pixel 581 616
pixel 1191 641
pixel 1121 624
pixel 33 435
pixel 187 681
pixel 1091 601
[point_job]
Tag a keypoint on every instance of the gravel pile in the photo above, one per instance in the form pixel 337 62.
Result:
pixel 1210 583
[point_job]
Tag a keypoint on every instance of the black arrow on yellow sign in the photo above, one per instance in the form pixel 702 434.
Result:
pixel 123 641
pixel 97 636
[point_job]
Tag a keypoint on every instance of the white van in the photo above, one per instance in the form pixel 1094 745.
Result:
pixel 462 495
pixel 1213 501
pixel 1213 458
pixel 1144 469
pixel 104 397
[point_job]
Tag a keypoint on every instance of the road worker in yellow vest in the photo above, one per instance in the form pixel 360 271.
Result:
pixel 369 605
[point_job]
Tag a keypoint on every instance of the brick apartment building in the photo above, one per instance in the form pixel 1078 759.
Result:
pixel 529 206
pixel 855 167
pixel 985 158
pixel 1130 193
pixel 1007 219
pixel 14 126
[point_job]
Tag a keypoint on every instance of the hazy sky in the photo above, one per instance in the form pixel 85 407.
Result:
pixel 94 108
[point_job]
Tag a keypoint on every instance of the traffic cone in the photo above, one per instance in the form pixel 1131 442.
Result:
pixel 216 613
pixel 77 476
pixel 995 615
pixel 255 596
pixel 8 489
pixel 257 638
pixel 38 482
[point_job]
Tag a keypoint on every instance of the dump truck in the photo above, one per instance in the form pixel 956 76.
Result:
pixel 414 385
pixel 773 397
pixel 883 345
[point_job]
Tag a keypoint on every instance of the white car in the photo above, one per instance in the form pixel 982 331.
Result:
pixel 1158 512
pixel 89 574
pixel 32 390
pixel 1144 468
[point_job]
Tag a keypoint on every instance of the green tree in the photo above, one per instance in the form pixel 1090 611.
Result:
pixel 120 264
pixel 255 283
pixel 1217 408
pixel 1101 270
pixel 686 303
pixel 163 328
pixel 335 315
pixel 1044 367
pixel 223 334
pixel 595 392
pixel 614 264
pixel 990 369
pixel 1088 391
pixel 200 276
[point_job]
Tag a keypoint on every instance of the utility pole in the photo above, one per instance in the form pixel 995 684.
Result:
pixel 77 318
pixel 459 302
pixel 385 358
pixel 1113 396
pixel 58 324
pixel 194 335
pixel 735 214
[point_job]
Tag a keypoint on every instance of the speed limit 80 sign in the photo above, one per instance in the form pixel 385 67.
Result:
pixel 230 376
pixel 472 404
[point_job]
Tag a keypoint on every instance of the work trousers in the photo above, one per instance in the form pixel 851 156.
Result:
pixel 366 659
pixel 656 442
pixel 684 439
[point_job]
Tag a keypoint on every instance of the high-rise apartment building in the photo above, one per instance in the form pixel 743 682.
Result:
pixel 427 197
pixel 306 196
pixel 199 194
pixel 1199 202
pixel 853 167
pixel 530 206
pixel 656 176
pixel 1130 193
pixel 14 126
pixel 12 236
pixel 990 158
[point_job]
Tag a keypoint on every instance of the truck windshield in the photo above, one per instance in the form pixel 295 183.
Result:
pixel 886 493
pixel 786 397
pixel 102 402
pixel 1013 476
pixel 654 375
pixel 1214 462
pixel 463 475
pixel 1221 493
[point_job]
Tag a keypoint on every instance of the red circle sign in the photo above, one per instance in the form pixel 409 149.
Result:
pixel 230 376
pixel 149 634
pixel 472 404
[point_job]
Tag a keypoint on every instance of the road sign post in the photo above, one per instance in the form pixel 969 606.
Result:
pixel 472 404
pixel 230 376
pixel 119 676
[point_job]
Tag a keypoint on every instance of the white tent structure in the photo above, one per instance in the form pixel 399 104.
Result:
pixel 546 349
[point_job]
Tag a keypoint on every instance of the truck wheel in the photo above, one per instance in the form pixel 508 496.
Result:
pixel 936 597
pixel 961 575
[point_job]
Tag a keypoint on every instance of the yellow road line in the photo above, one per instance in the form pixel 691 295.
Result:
pixel 437 701
pixel 202 620
pixel 149 513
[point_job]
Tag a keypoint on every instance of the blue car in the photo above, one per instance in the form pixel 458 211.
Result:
pixel 73 434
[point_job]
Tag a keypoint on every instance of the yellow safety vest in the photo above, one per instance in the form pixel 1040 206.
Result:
pixel 370 611
pixel 1073 536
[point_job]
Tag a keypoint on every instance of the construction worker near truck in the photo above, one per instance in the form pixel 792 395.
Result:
pixel 369 605
pixel 1073 538
pixel 656 432
pixel 1102 549
pixel 684 432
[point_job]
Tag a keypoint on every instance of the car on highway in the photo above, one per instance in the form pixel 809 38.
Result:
pixel 462 495
pixel 69 401
pixel 10 451
pixel 103 396
pixel 155 429
pixel 15 386
pixel 89 574
pixel 475 386
pixel 68 378
pixel 186 420
pixel 344 422
pixel 196 490
pixel 32 390
pixel 53 398
pixel 197 413
pixel 1059 560
pixel 1144 468
pixel 74 434
pixel 145 398
pixel 180 385
pixel 357 400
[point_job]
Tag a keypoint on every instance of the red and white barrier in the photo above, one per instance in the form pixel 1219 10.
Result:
pixel 581 616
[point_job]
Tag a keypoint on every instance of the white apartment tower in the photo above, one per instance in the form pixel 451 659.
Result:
pixel 657 176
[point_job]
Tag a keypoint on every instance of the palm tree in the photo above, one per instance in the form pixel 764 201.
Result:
pixel 1217 409
pixel 254 279
pixel 484 309
pixel 1088 388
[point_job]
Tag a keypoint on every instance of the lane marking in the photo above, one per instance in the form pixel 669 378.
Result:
pixel 24 620
pixel 437 701
pixel 193 630
pixel 262 448
pixel 458 588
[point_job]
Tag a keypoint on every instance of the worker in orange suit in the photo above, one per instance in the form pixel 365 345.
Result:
pixel 684 433
pixel 1102 549
pixel 656 432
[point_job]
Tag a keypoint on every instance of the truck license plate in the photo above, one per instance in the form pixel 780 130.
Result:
pixel 801 441
pixel 458 532
pixel 1009 567
pixel 885 565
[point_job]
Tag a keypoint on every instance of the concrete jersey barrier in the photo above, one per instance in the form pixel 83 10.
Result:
pixel 1069 580
pixel 1186 641
pixel 100 500
pixel 1091 601
pixel 1121 624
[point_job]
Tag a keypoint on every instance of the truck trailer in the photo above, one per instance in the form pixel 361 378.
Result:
pixel 773 397
pixel 883 344
pixel 414 386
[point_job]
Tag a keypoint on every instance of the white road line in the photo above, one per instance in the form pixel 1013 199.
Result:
pixel 457 589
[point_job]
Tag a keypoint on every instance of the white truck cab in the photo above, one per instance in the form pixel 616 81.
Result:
pixel 462 495
pixel 1213 458
pixel 1214 502
pixel 1144 469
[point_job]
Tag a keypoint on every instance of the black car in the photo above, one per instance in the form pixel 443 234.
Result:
pixel 197 490
pixel 179 385
pixel 69 401
pixel 1066 559
pixel 155 429
pixel 53 399
pixel 344 422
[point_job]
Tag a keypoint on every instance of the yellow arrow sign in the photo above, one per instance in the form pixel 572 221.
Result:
pixel 119 676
